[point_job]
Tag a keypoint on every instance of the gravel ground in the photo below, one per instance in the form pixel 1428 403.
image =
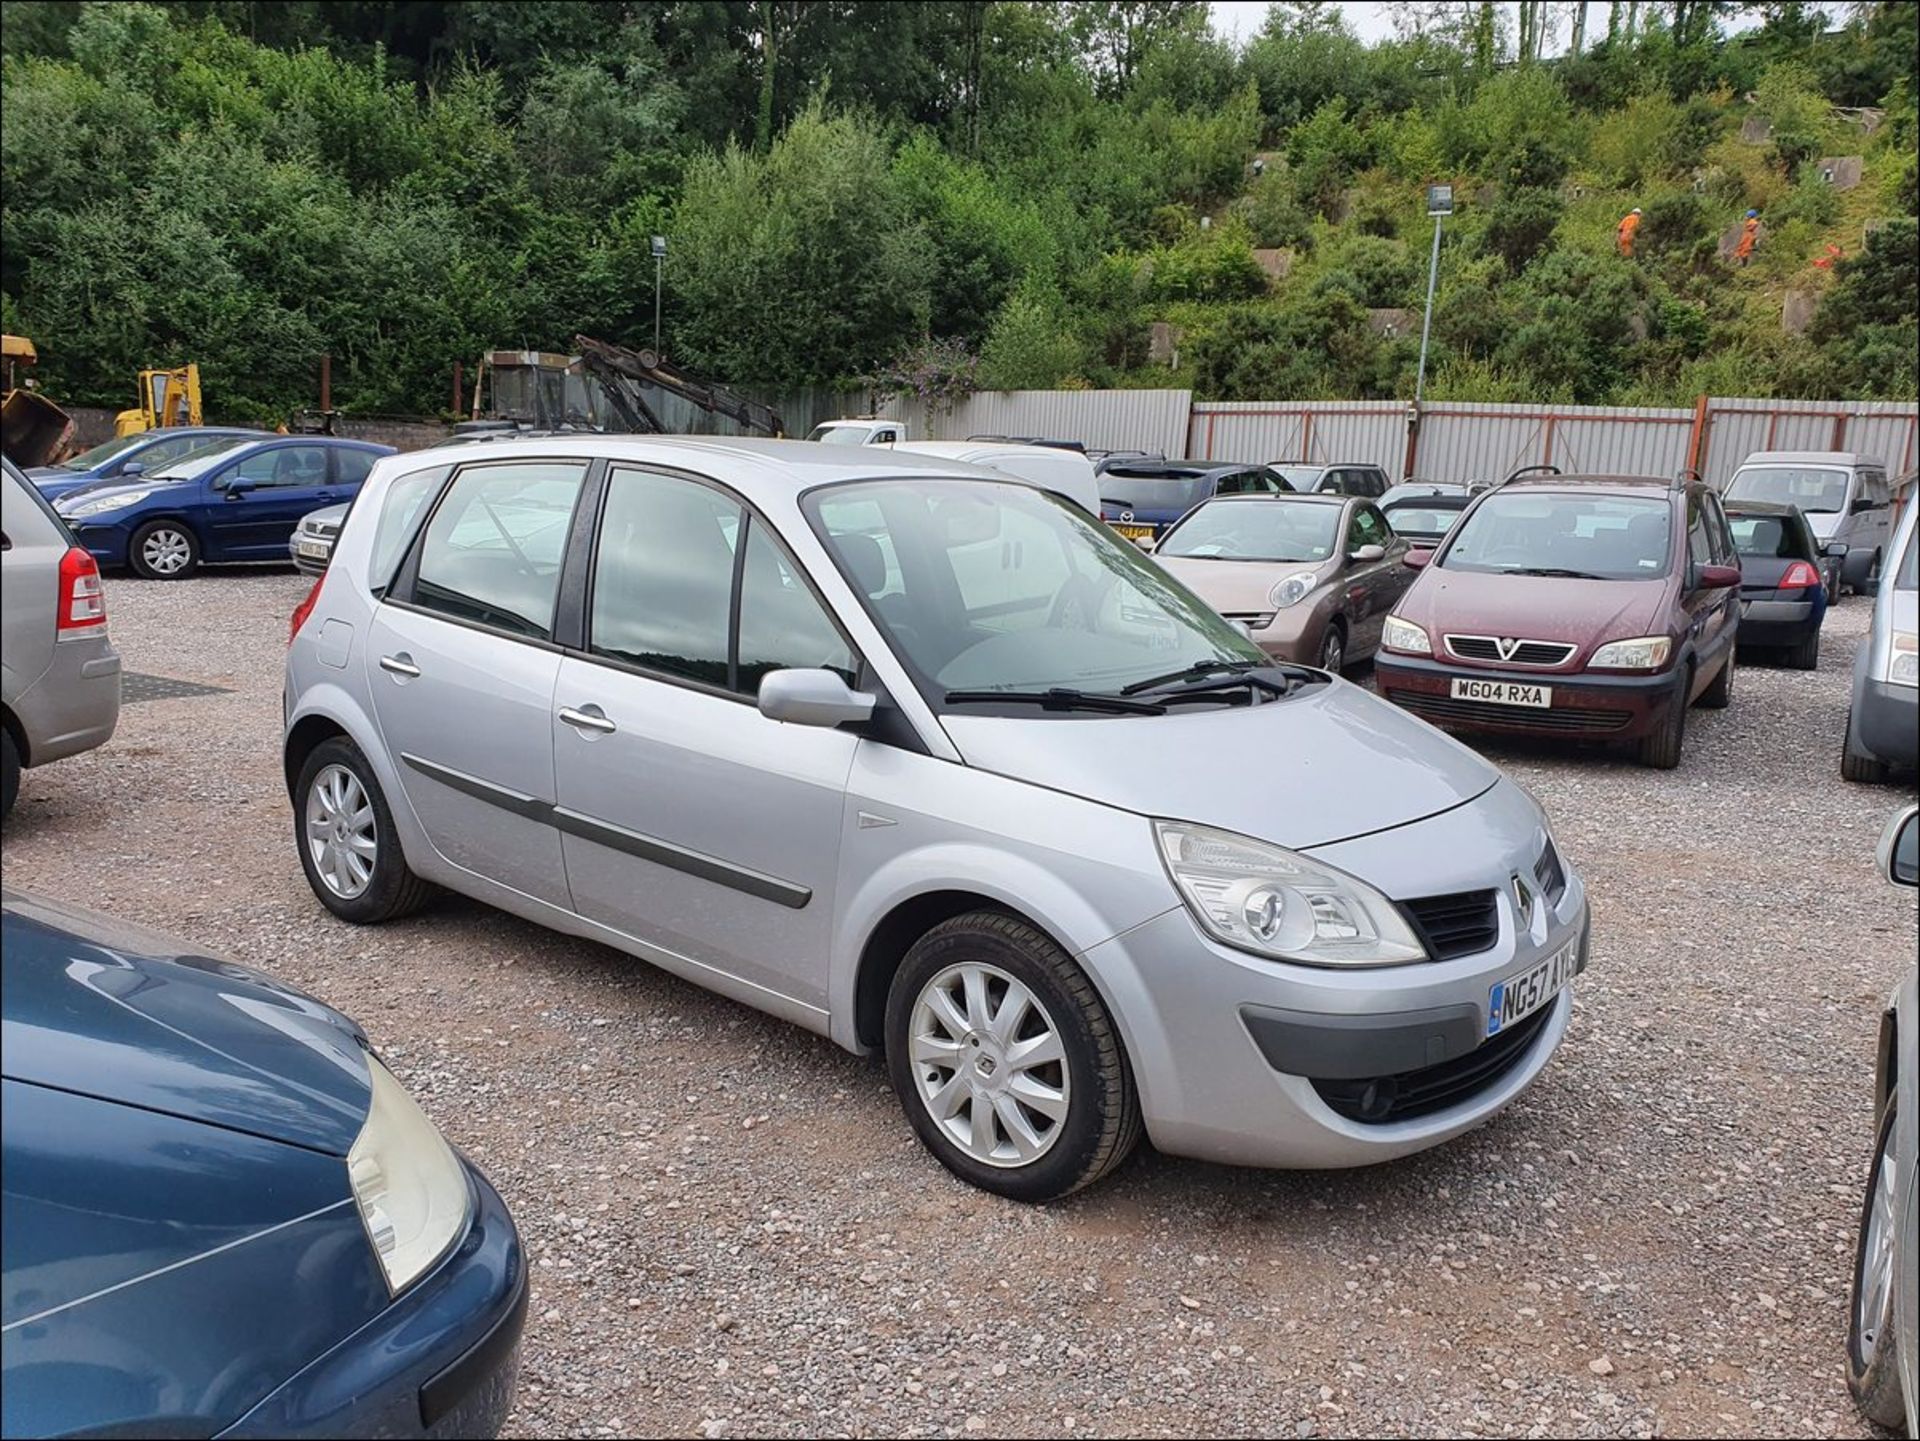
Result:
pixel 734 1233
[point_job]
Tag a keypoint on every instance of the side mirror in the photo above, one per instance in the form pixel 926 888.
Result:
pixel 1245 630
pixel 1368 553
pixel 1417 559
pixel 1835 549
pixel 1860 503
pixel 812 698
pixel 131 469
pixel 238 485
pixel 1717 577
pixel 1900 848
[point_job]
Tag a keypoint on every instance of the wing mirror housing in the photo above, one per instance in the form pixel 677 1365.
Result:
pixel 131 469
pixel 237 485
pixel 812 698
pixel 1367 553
pixel 1717 577
pixel 1900 848
pixel 1416 559
pixel 1835 549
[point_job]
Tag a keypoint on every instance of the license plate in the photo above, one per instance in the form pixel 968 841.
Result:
pixel 1504 692
pixel 312 549
pixel 1519 996
pixel 1136 532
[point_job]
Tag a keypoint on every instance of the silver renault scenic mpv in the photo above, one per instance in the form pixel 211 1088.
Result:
pixel 927 759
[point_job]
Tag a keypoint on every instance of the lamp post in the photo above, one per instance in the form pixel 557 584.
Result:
pixel 659 259
pixel 1439 206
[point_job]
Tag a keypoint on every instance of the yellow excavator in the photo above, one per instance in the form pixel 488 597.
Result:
pixel 167 397
pixel 33 430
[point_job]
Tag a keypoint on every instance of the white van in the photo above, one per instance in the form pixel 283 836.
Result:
pixel 1844 495
pixel 1064 472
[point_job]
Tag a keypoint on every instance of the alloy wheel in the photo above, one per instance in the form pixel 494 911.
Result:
pixel 1874 1294
pixel 1332 652
pixel 989 1064
pixel 166 551
pixel 340 832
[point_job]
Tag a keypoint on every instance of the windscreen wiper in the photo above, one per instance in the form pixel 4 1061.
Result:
pixel 1555 571
pixel 1276 678
pixel 1057 698
pixel 1191 672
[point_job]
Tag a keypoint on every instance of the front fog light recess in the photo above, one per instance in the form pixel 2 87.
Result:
pixel 409 1186
pixel 1276 903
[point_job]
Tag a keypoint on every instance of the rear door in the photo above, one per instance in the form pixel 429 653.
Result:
pixel 692 822
pixel 462 664
pixel 287 481
pixel 31 544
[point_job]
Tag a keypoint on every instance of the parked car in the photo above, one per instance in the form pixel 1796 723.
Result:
pixel 1845 496
pixel 1592 608
pixel 127 457
pixel 59 674
pixel 1064 472
pixel 1053 442
pixel 1311 576
pixel 1141 498
pixel 312 544
pixel 224 1214
pixel 1424 511
pixel 1883 1319
pixel 237 499
pixel 859 430
pixel 931 763
pixel 1783 592
pixel 1346 477
pixel 1883 721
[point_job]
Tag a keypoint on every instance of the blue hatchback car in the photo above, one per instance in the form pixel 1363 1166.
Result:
pixel 223 1216
pixel 127 457
pixel 233 499
pixel 1142 498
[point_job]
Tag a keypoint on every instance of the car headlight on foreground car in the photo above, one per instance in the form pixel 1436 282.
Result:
pixel 1404 635
pixel 1647 652
pixel 409 1185
pixel 1903 659
pixel 1291 591
pixel 100 505
pixel 1274 902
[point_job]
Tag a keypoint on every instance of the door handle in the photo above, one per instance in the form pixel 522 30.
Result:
pixel 588 718
pixel 401 664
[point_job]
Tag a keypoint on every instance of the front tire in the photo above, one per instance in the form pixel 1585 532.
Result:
pixel 1873 1347
pixel 348 845
pixel 1333 648
pixel 163 550
pixel 1661 749
pixel 1719 695
pixel 1006 1061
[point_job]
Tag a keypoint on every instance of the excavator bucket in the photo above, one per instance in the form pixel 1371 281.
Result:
pixel 33 430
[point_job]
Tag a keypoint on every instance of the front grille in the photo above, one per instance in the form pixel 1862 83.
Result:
pixel 1455 925
pixel 1551 875
pixel 1570 720
pixel 1380 1099
pixel 1528 652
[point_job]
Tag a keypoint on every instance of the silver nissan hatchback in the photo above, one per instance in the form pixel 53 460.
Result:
pixel 926 759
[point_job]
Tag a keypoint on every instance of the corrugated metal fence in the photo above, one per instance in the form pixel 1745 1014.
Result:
pixel 1109 419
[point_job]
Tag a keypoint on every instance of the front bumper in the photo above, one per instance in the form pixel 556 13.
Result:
pixel 106 542
pixel 1226 1046
pixel 1584 706
pixel 1886 720
pixel 442 1361
pixel 310 553
pixel 75 704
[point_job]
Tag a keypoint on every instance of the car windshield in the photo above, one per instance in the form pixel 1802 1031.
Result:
pixel 1424 517
pixel 1768 537
pixel 838 434
pixel 1602 537
pixel 103 452
pixel 198 462
pixel 1000 587
pixel 1152 492
pixel 1817 490
pixel 1256 530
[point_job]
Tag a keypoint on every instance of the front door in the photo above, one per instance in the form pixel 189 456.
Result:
pixel 286 482
pixel 1712 615
pixel 1373 586
pixel 690 821
pixel 462 672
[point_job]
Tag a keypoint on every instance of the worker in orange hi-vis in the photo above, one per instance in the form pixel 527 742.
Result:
pixel 1749 237
pixel 1626 231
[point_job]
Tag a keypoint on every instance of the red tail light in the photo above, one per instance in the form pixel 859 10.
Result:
pixel 304 609
pixel 83 605
pixel 1799 576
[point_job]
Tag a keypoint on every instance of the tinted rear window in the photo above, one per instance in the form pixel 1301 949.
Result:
pixel 1131 492
pixel 1773 537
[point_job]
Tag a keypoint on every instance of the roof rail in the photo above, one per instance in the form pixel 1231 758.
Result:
pixel 1686 476
pixel 1532 470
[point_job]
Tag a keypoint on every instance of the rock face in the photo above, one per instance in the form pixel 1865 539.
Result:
pixel 1163 343
pixel 1755 130
pixel 1797 313
pixel 1390 323
pixel 1277 263
pixel 1842 172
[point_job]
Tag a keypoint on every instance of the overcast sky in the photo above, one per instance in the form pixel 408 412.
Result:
pixel 1241 19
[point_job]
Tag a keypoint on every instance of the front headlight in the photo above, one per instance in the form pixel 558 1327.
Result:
pixel 409 1185
pixel 1903 659
pixel 1279 904
pixel 100 505
pixel 1404 635
pixel 1647 652
pixel 1291 591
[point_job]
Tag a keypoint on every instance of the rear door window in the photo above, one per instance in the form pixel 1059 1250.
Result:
pixel 663 576
pixel 350 467
pixel 492 550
